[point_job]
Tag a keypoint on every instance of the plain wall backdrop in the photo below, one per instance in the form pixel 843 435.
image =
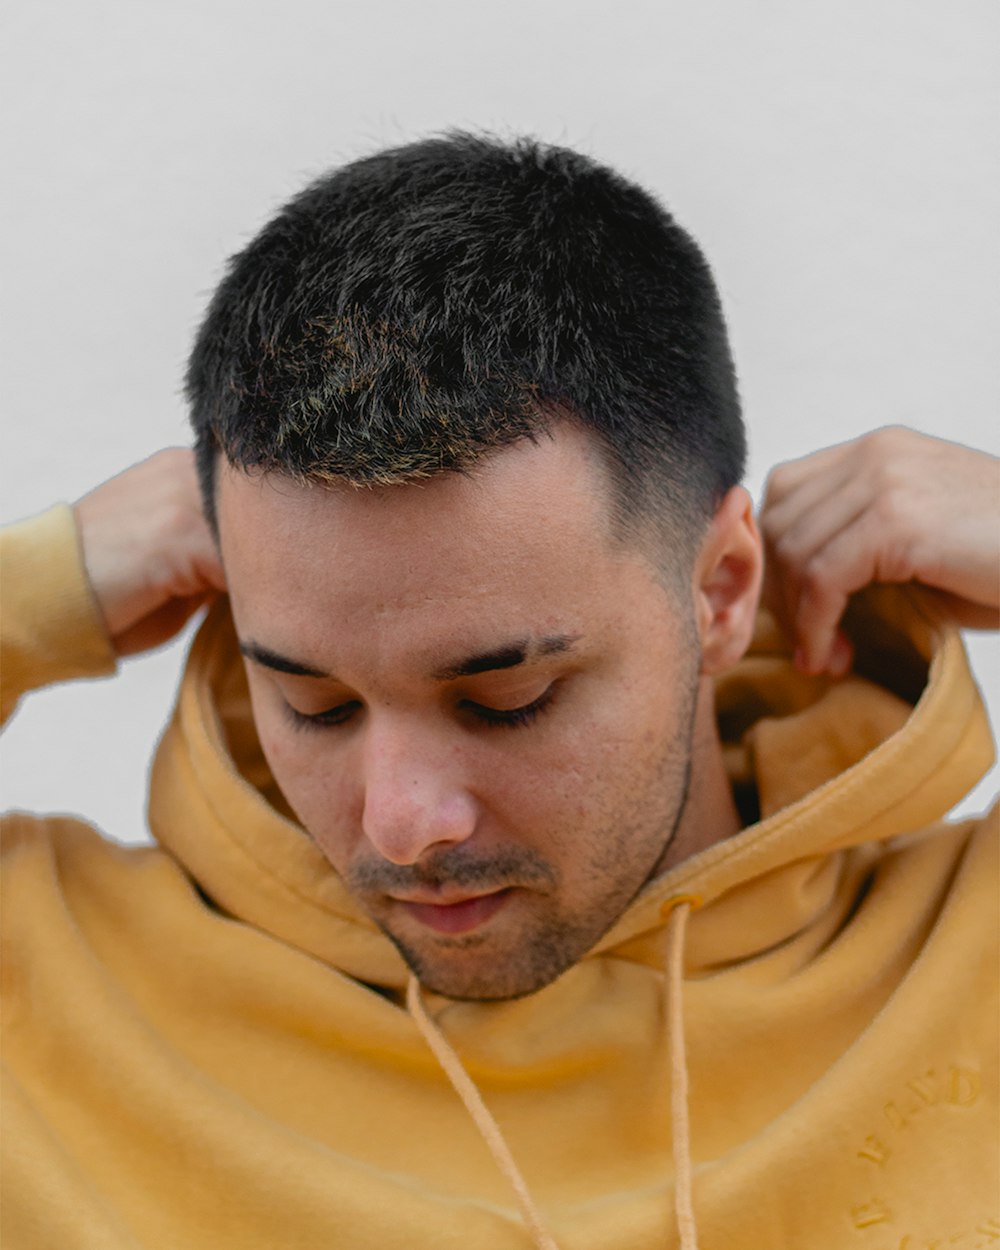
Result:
pixel 835 158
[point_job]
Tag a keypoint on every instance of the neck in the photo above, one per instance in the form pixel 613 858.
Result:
pixel 710 814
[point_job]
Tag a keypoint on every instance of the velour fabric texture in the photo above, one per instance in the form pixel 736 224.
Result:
pixel 207 1043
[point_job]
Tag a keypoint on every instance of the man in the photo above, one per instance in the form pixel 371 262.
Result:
pixel 498 901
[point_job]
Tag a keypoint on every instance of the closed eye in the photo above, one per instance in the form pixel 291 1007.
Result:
pixel 338 715
pixel 504 717
pixel 513 716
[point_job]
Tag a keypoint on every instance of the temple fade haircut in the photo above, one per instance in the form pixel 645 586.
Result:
pixel 412 312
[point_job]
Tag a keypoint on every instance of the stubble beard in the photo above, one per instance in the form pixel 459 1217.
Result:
pixel 555 942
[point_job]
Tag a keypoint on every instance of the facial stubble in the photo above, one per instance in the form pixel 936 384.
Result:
pixel 556 942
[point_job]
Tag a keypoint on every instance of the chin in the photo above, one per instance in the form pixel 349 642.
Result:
pixel 481 990
pixel 482 975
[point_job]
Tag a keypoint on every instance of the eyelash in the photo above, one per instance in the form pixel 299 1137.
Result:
pixel 329 719
pixel 509 718
pixel 515 717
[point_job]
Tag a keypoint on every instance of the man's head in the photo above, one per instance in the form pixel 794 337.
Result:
pixel 416 310
pixel 467 418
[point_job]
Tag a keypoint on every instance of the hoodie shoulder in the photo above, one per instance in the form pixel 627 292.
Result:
pixel 68 894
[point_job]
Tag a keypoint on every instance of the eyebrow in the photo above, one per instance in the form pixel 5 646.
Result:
pixel 280 663
pixel 506 657
pixel 509 656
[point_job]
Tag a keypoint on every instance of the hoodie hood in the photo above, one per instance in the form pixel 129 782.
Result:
pixel 803 1015
pixel 830 766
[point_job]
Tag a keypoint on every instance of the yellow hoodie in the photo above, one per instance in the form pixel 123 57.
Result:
pixel 207 1044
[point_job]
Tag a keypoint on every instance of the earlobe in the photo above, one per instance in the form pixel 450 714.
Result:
pixel 727 578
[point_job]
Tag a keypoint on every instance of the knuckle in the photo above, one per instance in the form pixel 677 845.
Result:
pixel 770 528
pixel 894 514
pixel 887 508
pixel 175 516
pixel 816 576
pixel 785 549
pixel 776 485
pixel 871 448
pixel 883 448
pixel 887 437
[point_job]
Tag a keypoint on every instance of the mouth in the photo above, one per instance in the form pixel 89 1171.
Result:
pixel 459 914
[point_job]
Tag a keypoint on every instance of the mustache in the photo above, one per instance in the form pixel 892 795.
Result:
pixel 454 867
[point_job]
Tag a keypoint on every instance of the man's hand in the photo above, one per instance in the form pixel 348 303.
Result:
pixel 149 553
pixel 892 506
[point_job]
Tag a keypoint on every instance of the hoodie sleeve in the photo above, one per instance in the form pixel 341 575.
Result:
pixel 50 624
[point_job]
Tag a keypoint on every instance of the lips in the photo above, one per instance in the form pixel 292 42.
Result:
pixel 460 915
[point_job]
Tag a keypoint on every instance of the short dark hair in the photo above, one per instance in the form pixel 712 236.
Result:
pixel 413 311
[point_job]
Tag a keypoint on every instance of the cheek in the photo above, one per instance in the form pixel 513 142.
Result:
pixel 627 770
pixel 311 774
pixel 593 764
pixel 552 795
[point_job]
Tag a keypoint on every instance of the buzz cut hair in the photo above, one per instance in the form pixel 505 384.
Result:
pixel 414 311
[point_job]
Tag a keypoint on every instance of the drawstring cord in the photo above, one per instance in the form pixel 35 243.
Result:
pixel 676 912
pixel 477 1109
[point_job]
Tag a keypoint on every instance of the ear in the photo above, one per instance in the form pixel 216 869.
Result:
pixel 726 585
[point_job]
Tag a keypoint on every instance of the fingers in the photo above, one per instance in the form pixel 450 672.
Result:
pixel 796 532
pixel 818 467
pixel 835 571
pixel 805 514
pixel 148 551
pixel 891 506
pixel 831 525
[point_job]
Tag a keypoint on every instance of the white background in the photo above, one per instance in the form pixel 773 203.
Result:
pixel 835 158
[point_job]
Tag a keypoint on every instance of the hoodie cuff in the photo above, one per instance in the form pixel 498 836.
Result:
pixel 52 626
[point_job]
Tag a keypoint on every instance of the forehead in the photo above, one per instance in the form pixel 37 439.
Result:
pixel 521 544
pixel 531 499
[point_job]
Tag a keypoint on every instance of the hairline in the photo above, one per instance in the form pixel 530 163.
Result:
pixel 653 530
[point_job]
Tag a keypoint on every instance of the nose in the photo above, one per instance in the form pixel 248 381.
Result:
pixel 414 797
